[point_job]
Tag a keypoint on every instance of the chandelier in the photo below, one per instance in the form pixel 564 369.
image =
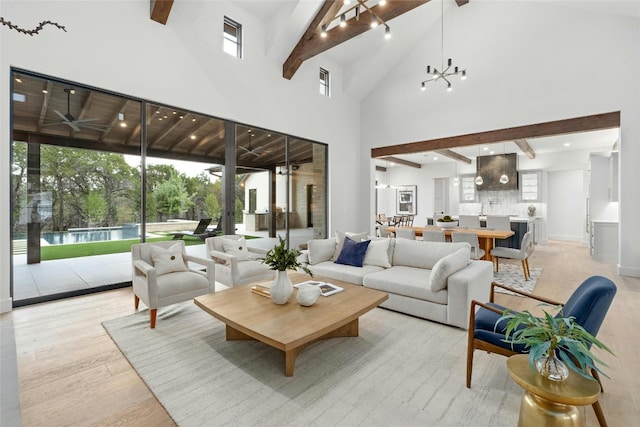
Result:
pixel 354 11
pixel 443 73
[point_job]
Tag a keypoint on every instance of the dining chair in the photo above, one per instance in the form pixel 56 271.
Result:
pixel 499 222
pixel 433 236
pixel 588 304
pixel 469 221
pixel 405 233
pixel 472 239
pixel 522 254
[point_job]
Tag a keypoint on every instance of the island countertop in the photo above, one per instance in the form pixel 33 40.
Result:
pixel 511 218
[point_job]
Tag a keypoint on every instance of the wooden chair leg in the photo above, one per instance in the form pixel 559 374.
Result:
pixel 472 323
pixel 497 263
pixel 595 375
pixel 136 301
pixel 524 270
pixel 526 261
pixel 153 313
pixel 599 414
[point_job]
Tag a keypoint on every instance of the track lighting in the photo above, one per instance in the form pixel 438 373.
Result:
pixel 354 12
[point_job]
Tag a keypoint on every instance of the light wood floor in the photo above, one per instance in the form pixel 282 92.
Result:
pixel 72 374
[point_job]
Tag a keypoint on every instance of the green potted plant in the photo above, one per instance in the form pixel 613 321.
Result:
pixel 555 344
pixel 282 259
pixel 446 222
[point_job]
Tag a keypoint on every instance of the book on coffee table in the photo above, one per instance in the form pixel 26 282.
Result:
pixel 326 288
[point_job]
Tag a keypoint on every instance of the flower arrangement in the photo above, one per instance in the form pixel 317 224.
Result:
pixel 281 259
pixel 550 338
pixel 532 210
pixel 446 218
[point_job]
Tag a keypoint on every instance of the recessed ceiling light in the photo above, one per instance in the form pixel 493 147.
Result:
pixel 175 112
pixel 435 158
pixel 160 118
pixel 567 144
pixel 123 124
pixel 166 117
pixel 157 111
pixel 193 120
pixel 182 117
pixel 193 137
pixel 18 80
pixel 485 148
pixel 45 91
pixel 268 135
pixel 492 152
pixel 72 91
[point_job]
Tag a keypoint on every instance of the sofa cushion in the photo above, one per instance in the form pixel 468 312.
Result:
pixel 345 273
pixel 320 250
pixel 378 253
pixel 340 241
pixel 168 260
pixel 406 281
pixel 420 254
pixel 446 266
pixel 353 252
pixel 237 248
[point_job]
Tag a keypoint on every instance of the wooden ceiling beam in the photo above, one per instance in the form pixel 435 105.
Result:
pixel 311 44
pixel 402 162
pixel 461 2
pixel 455 156
pixel 327 11
pixel 558 127
pixel 526 148
pixel 115 118
pixel 159 10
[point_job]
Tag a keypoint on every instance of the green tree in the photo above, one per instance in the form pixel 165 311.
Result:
pixel 95 207
pixel 172 197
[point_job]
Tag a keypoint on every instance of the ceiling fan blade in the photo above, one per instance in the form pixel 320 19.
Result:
pixel 249 151
pixel 62 116
pixel 73 126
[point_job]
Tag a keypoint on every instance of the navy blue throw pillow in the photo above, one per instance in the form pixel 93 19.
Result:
pixel 353 252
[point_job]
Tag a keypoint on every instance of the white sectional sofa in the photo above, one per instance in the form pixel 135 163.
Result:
pixel 432 280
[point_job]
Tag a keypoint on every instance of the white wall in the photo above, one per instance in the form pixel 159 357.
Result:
pixel 115 46
pixel 534 62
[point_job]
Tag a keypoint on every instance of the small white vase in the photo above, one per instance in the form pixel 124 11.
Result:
pixel 308 294
pixel 281 288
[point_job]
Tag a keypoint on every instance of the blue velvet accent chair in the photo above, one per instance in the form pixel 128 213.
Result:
pixel 588 304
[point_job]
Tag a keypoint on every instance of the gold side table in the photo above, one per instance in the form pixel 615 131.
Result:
pixel 551 403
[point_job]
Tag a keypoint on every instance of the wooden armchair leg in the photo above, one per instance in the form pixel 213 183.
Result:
pixel 136 301
pixel 599 414
pixel 153 313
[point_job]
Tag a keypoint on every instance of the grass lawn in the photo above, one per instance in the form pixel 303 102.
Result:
pixel 48 253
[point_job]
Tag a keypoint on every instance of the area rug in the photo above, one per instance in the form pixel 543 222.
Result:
pixel 400 371
pixel 511 275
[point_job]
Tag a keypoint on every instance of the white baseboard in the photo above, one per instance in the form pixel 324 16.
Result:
pixel 6 305
pixel 628 271
pixel 567 238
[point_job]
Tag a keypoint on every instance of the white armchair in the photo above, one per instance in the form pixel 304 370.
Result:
pixel 161 275
pixel 237 264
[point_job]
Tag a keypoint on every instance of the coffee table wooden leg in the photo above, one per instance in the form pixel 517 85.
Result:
pixel 234 334
pixel 351 329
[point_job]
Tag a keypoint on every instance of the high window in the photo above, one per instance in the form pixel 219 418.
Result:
pixel 232 32
pixel 325 85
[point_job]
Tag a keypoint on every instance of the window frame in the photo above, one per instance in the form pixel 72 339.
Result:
pixel 325 84
pixel 227 38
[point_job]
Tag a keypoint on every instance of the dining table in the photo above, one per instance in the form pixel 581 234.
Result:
pixel 486 236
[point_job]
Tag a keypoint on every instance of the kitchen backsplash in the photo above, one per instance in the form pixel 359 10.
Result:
pixel 499 203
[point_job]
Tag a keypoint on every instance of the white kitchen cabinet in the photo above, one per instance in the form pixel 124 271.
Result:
pixel 530 186
pixel 604 241
pixel 467 188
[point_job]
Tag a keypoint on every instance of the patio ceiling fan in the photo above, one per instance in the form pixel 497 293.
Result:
pixel 254 151
pixel 72 122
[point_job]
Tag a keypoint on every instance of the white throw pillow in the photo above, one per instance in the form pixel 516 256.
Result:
pixel 446 266
pixel 356 237
pixel 168 260
pixel 320 250
pixel 378 253
pixel 237 248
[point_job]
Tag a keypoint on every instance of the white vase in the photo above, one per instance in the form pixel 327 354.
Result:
pixel 308 294
pixel 281 288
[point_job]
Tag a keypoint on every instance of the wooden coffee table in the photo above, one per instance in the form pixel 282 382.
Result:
pixel 290 327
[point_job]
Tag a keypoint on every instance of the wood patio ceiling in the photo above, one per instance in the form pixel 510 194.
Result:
pixel 171 133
